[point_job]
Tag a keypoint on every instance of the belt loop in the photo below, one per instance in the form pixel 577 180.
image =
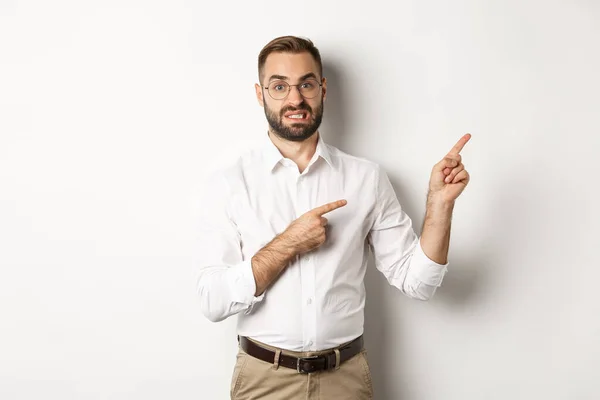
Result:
pixel 337 359
pixel 276 360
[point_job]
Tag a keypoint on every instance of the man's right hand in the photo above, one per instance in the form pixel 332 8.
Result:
pixel 307 232
pixel 302 235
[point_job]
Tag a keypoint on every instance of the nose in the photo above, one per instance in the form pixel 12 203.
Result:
pixel 294 96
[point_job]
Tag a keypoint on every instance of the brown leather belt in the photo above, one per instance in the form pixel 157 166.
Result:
pixel 303 365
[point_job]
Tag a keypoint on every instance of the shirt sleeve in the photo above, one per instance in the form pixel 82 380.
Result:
pixel 225 281
pixel 397 249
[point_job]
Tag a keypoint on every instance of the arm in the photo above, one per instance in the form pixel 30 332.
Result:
pixel 225 280
pixel 269 261
pixel 397 249
pixel 226 283
pixel 228 288
pixel 435 237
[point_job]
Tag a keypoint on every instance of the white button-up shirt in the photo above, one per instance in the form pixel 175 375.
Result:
pixel 318 301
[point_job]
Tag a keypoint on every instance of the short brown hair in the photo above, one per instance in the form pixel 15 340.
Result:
pixel 288 44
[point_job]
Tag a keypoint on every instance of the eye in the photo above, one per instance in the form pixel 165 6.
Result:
pixel 308 85
pixel 278 86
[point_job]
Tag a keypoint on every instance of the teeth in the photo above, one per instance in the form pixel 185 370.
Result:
pixel 296 116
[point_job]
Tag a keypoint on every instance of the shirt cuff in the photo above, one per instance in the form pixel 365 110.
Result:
pixel 242 284
pixel 427 271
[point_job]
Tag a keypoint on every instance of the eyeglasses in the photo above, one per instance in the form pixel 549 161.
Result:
pixel 279 90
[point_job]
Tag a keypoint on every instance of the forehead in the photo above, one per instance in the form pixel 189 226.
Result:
pixel 291 65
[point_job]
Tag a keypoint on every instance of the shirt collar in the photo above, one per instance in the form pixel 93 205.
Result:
pixel 272 156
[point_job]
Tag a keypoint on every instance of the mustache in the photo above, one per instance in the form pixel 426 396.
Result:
pixel 304 107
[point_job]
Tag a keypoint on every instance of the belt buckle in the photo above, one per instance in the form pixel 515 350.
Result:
pixel 302 359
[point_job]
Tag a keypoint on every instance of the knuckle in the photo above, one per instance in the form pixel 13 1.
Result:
pixel 452 161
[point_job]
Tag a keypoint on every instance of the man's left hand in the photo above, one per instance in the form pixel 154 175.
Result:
pixel 449 177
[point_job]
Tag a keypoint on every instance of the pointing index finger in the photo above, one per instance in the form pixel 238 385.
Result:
pixel 460 144
pixel 329 207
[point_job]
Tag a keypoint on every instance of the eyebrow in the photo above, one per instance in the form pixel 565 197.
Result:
pixel 285 78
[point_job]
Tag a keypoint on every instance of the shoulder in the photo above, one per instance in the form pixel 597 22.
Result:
pixel 230 172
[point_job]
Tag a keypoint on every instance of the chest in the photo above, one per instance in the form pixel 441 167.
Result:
pixel 266 205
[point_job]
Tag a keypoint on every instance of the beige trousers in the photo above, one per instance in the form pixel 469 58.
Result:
pixel 254 379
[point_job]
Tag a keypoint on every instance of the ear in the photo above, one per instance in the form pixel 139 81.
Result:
pixel 324 88
pixel 259 95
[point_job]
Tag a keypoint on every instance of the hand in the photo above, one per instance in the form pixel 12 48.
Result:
pixel 307 232
pixel 449 177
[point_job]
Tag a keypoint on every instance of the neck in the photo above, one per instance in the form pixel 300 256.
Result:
pixel 299 152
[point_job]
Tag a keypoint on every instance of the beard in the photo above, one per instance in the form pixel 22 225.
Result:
pixel 295 132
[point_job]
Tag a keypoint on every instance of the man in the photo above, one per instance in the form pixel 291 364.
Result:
pixel 285 236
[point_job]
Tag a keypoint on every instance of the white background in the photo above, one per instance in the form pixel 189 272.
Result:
pixel 112 113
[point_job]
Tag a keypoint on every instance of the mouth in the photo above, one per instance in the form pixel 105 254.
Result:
pixel 297 116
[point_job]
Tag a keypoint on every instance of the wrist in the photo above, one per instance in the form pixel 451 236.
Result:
pixel 285 246
pixel 438 201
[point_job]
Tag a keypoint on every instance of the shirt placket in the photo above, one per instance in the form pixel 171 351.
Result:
pixel 309 315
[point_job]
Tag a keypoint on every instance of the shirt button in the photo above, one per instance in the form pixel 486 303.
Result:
pixel 310 343
pixel 309 301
